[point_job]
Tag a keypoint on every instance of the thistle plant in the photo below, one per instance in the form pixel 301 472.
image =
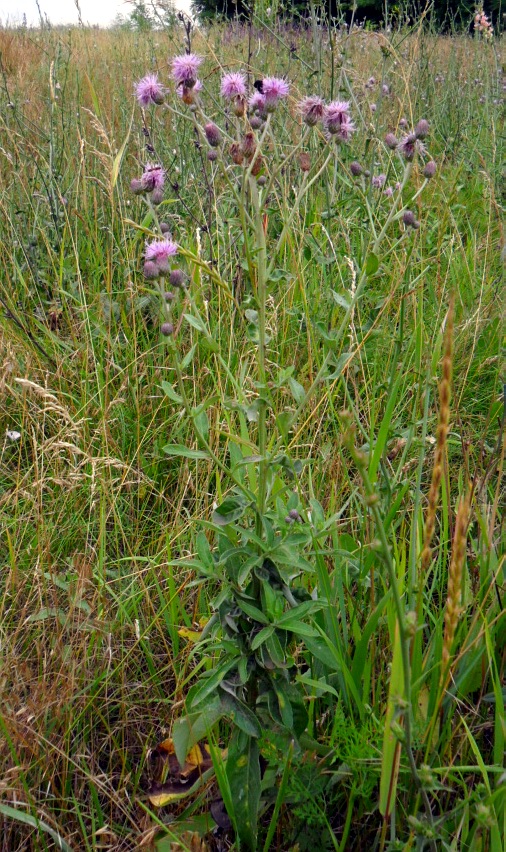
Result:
pixel 265 537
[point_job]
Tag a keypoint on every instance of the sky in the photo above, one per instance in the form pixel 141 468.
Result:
pixel 100 12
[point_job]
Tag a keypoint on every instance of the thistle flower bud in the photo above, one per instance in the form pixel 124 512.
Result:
pixel 391 141
pixel 410 220
pixel 168 296
pixel 157 196
pixel 150 270
pixel 212 155
pixel 165 228
pixel 257 166
pixel 403 122
pixel 236 153
pixel 294 515
pixel 430 169
pixel 422 129
pixel 167 329
pixel 262 180
pixel 239 106
pixel 176 278
pixel 136 186
pixel 213 135
pixel 255 122
pixel 304 161
pixel 356 169
pixel 248 145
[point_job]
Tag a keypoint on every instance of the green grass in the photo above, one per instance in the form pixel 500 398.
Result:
pixel 99 526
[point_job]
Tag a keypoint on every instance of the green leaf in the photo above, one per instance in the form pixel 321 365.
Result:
pixel 37 824
pixel 189 730
pixel 251 316
pixel 243 774
pixel 180 450
pixel 253 612
pixel 297 390
pixel 391 745
pixel 202 423
pixel 371 264
pixel 204 551
pixel 196 322
pixel 241 714
pixel 208 684
pixel 229 511
pixel 119 156
pixel 261 637
pixel 342 301
pixel 300 627
pixel 171 393
pixel 298 612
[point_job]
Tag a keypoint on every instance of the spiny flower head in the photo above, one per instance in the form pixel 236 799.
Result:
pixel 153 178
pixel 274 89
pixel 184 68
pixel 409 145
pixel 213 134
pixel 337 121
pixel 159 252
pixel 233 85
pixel 257 102
pixel 311 109
pixel 149 90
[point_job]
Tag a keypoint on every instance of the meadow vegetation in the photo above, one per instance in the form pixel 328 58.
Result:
pixel 327 402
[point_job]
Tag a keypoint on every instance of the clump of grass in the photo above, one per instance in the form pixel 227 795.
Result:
pixel 99 528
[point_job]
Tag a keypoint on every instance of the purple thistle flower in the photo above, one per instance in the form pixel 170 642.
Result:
pixel 274 89
pixel 388 192
pixel 257 102
pixel 233 85
pixel 337 121
pixel 311 109
pixel 385 89
pixel 184 69
pixel 409 145
pixel 410 220
pixel 378 181
pixel 403 122
pixel 345 132
pixel 355 168
pixel 159 252
pixel 149 91
pixel 153 178
pixel 373 107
